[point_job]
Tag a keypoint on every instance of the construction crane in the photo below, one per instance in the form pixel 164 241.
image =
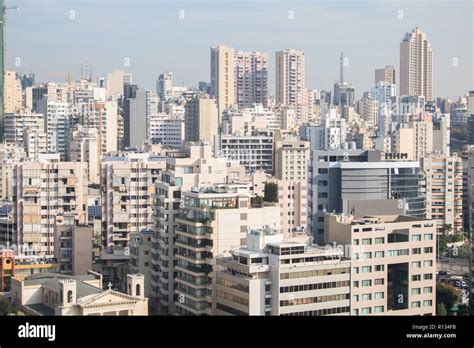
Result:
pixel 2 63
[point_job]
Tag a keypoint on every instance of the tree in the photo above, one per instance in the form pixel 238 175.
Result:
pixel 446 229
pixel 441 309
pixel 5 306
pixel 270 192
pixel 447 294
pixel 463 310
pixel 16 314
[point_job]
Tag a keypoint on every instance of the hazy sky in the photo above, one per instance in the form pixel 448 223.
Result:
pixel 47 38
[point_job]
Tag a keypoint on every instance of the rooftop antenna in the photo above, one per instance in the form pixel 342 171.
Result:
pixel 341 68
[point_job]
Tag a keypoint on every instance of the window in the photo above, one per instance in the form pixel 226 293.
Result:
pixel 428 250
pixel 356 270
pixel 379 240
pixel 428 263
pixel 366 297
pixel 416 251
pixel 69 296
pixel 428 290
pixel 367 255
pixel 367 283
pixel 427 303
pixel 428 276
pixel 378 309
pixel 367 241
pixel 415 291
pixel 416 304
pixel 379 281
pixel 416 237
pixel 356 284
pixel 379 295
pixel 356 242
pixel 379 254
pixel 416 277
pixel 416 264
pixel 379 268
pixel 366 310
pixel 355 298
pixel 428 236
pixel 366 269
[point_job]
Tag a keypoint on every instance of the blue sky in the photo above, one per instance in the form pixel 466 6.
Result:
pixel 149 32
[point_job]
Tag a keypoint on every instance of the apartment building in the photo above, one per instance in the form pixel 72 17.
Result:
pixel 214 220
pixel 251 78
pixel 184 170
pixel 201 121
pixel 393 262
pixel 16 124
pixel 73 248
pixel 223 76
pixel 291 168
pixel 127 184
pixel 254 150
pixel 84 146
pixel 46 193
pixel 271 275
pixel 444 186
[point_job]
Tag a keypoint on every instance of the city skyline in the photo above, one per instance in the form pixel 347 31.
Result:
pixel 77 42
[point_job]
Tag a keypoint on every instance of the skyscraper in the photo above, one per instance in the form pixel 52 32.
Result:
pixel 416 65
pixel 251 78
pixel 222 76
pixel 164 86
pixel 386 74
pixel 290 80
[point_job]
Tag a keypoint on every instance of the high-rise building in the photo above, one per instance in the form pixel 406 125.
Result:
pixel 291 170
pixel 414 140
pixel 13 93
pixel 444 191
pixel 127 198
pixel 251 79
pixel 57 124
pixel 46 193
pixel 393 262
pixel 164 86
pixel 254 150
pixel 102 116
pixel 222 77
pixel 386 75
pixel 184 170
pixel 201 119
pixel 271 275
pixel 167 130
pixel 416 65
pixel 84 147
pixel 18 122
pixel 214 220
pixel 340 176
pixel 115 83
pixel 139 112
pixel 290 84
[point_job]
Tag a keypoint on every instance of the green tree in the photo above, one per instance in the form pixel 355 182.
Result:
pixel 447 294
pixel 16 314
pixel 270 192
pixel 441 309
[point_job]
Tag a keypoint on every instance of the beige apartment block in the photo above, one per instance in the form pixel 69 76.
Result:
pixel 223 77
pixel 46 193
pixel 201 120
pixel 273 275
pixel 416 65
pixel 290 85
pixel 214 221
pixel 60 295
pixel 251 78
pixel 414 139
pixel 195 167
pixel 127 197
pixel 393 261
pixel 291 167
pixel 443 179
pixel 13 97
pixel 84 147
